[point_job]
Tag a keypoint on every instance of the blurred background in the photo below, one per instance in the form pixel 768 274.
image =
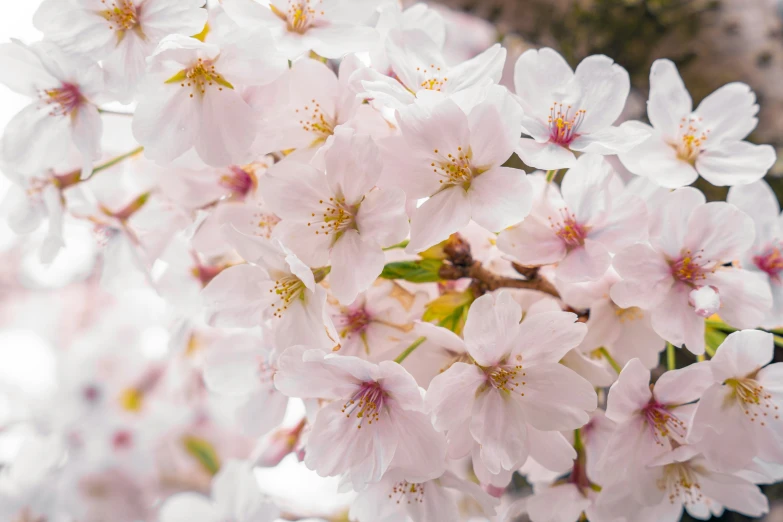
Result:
pixel 43 309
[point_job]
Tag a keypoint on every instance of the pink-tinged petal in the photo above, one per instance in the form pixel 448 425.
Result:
pixel 261 412
pixel 86 134
pixel 585 187
pixel 734 493
pixel 669 99
pixel 594 370
pixel 356 263
pixel 745 296
pixel 630 393
pixel 442 127
pixel 237 297
pixel 485 477
pixel 440 336
pixel 545 156
pixel 630 448
pixel 311 248
pixel 586 263
pixel 227 128
pixel 233 369
pixel 490 142
pixel 735 163
pixel 719 232
pixel 500 197
pixel 337 445
pixel 160 19
pixel 165 121
pixel 248 13
pixel 685 385
pixel 22 72
pixel 771 377
pixel 400 386
pixel 655 159
pixel 305 322
pixel 301 372
pixel 555 397
pixel 440 216
pixel 759 202
pixel 729 112
pixel 451 394
pixel 492 324
pixel 741 354
pixel 720 423
pixel 353 165
pixel 488 64
pixel 406 168
pixel 498 425
pixel 488 503
pixel 293 190
pixel 382 216
pixel 34 139
pixel 546 337
pixel 337 40
pixel 421 451
pixel 675 320
pixel 560 503
pixel 186 507
pixel 604 87
pixel 533 242
pixel 235 490
pixel 551 450
pixel 612 140
pixel 538 76
pixel 670 219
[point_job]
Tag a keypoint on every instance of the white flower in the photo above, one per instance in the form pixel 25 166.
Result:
pixel 120 33
pixel 580 229
pixel 330 28
pixel 568 110
pixel 455 159
pixel 338 218
pixel 374 424
pixel 63 112
pixel 739 416
pixel 191 98
pixel 708 141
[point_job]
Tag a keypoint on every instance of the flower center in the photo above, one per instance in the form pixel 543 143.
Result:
pixel 299 16
pixel 564 125
pixel 239 180
pixel 771 262
pixel 407 493
pixel 200 77
pixel 569 230
pixel 287 288
pixel 62 101
pixel 663 423
pixel 756 402
pixel 122 439
pixel 681 484
pixel 366 403
pixel 690 140
pixel 454 169
pixel 315 121
pixel 122 15
pixel 354 321
pixel 337 217
pixel 506 378
pixel 689 268
pixel 265 222
pixel 431 78
pixel 628 314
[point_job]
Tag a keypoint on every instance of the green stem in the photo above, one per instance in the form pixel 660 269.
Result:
pixel 114 161
pixel 603 351
pixel 401 244
pixel 719 325
pixel 778 340
pixel 550 175
pixel 409 349
pixel 578 440
pixel 671 363
pixel 710 350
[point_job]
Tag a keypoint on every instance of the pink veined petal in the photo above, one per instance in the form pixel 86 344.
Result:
pixel 734 493
pixel 538 75
pixel 684 385
pixel 586 263
pixel 488 64
pixel 741 354
pixel 612 140
pixel 440 216
pixel 301 372
pixel 490 142
pixel 500 197
pixel 227 128
pixel 630 393
pixel 729 112
pixel 400 386
pixel 492 324
pixel 585 187
pixel 337 40
pixel 551 450
pixel 669 99
pixel 238 297
pixel 261 412
pixel 532 242
pixel 356 263
pixel 232 370
pixel 758 201
pixel 559 503
pixel 34 138
pixel 235 490
pixel 185 507
pixel 382 216
pixel 499 425
pixel 164 122
pixel 604 87
pixel 626 224
pixel 546 156
pixel 670 220
pixel 442 126
pixel 22 72
pixel 735 163
pixel 745 296
pixel 555 397
pixel 421 451
pixel 655 159
pixel 719 232
pixel 451 394
pixel 546 337
pixel 677 322
pixel 353 165
pixel 86 135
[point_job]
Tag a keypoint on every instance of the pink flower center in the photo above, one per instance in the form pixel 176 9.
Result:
pixel 239 181
pixel 122 439
pixel 690 139
pixel 354 321
pixel 564 125
pixel 64 100
pixel 300 14
pixel 689 268
pixel 770 262
pixel 336 217
pixel 407 493
pixel 569 230
pixel 366 404
pixel 663 422
pixel 506 378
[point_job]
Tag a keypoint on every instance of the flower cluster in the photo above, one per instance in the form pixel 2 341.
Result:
pixel 320 195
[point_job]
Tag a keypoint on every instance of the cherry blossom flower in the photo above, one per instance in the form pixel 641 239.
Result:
pixel 738 416
pixel 63 112
pixel 190 98
pixel 514 386
pixel 765 256
pixel 708 141
pixel 566 110
pixel 338 218
pixel 120 33
pixel 579 229
pixel 418 68
pixel 417 17
pixel 394 499
pixel 455 159
pixel 690 242
pixel 330 28
pixel 374 424
pixel 235 496
pixel 275 283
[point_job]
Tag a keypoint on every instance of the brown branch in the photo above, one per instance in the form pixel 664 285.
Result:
pixel 487 281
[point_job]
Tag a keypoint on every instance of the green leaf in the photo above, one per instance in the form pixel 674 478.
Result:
pixel 421 271
pixel 450 310
pixel 203 452
pixel 713 338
